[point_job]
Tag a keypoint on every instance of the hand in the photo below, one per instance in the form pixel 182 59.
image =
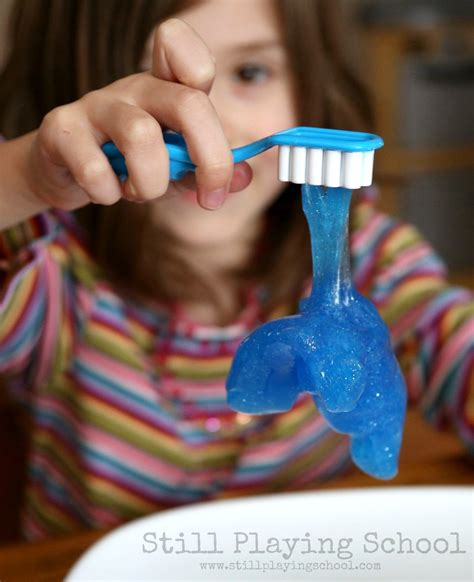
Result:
pixel 67 168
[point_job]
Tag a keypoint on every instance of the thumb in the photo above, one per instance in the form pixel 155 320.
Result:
pixel 181 55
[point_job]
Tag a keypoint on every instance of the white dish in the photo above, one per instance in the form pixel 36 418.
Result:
pixel 412 533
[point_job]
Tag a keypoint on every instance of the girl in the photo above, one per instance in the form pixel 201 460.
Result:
pixel 119 320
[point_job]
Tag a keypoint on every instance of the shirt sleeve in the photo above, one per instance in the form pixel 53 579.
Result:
pixel 35 297
pixel 431 324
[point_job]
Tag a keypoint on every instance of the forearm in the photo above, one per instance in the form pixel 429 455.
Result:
pixel 17 202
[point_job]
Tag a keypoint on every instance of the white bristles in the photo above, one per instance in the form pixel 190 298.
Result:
pixel 367 168
pixel 352 169
pixel 329 168
pixel 284 163
pixel 298 165
pixel 332 168
pixel 315 167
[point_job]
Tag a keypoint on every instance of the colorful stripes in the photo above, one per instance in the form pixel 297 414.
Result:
pixel 128 401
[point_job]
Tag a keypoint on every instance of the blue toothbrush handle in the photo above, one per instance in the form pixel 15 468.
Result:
pixel 180 163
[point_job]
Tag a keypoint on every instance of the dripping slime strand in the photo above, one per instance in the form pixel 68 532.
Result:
pixel 337 348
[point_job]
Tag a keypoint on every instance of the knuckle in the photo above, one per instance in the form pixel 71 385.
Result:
pixel 205 72
pixel 91 97
pixel 193 100
pixel 56 121
pixel 141 131
pixel 219 167
pixel 215 174
pixel 91 174
pixel 200 75
pixel 55 116
pixel 55 126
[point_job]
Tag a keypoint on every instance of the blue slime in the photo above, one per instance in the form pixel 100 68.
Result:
pixel 337 349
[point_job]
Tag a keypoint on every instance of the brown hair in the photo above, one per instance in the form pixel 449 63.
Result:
pixel 62 49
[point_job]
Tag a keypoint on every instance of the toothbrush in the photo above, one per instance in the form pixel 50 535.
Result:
pixel 319 157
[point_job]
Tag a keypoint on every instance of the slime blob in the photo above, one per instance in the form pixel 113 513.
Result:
pixel 337 348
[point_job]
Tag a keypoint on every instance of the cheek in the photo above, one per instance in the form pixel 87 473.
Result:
pixel 281 111
pixel 276 117
pixel 265 168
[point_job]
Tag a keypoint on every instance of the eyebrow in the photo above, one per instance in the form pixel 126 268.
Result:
pixel 254 46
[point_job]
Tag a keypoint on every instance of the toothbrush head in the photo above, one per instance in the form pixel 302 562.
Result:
pixel 330 168
pixel 326 157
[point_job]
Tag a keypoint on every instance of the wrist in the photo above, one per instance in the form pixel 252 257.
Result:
pixel 24 172
pixel 17 198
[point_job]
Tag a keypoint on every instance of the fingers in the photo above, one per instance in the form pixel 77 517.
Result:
pixel 134 126
pixel 191 113
pixel 139 137
pixel 241 178
pixel 132 111
pixel 180 55
pixel 69 141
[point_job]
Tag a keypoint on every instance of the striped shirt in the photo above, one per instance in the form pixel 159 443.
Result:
pixel 128 403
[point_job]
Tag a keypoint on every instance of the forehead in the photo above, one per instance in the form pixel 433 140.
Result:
pixel 225 23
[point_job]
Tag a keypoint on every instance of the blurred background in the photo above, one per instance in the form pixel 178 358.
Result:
pixel 419 56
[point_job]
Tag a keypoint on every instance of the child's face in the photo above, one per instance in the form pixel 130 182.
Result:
pixel 252 95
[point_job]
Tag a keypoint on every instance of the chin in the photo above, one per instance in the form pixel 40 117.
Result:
pixel 205 233
pixel 195 226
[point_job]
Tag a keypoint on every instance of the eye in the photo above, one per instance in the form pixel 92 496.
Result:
pixel 252 73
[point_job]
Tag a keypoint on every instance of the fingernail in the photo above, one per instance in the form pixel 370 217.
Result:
pixel 215 199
